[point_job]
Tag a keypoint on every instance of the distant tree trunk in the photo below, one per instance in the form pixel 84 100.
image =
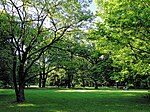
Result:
pixel 44 75
pixel 148 83
pixel 43 82
pixel 96 84
pixel 69 81
pixel 90 84
pixel 40 80
pixel 83 82
pixel 44 78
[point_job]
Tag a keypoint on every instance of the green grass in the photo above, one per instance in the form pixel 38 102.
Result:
pixel 76 100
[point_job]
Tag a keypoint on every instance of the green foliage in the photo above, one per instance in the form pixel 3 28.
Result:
pixel 124 32
pixel 5 57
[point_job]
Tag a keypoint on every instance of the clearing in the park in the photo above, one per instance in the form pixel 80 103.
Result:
pixel 76 100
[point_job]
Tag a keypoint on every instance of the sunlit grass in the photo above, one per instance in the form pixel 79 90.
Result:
pixel 76 100
pixel 71 90
pixel 25 105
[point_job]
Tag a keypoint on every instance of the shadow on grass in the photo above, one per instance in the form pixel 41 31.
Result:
pixel 50 100
pixel 80 105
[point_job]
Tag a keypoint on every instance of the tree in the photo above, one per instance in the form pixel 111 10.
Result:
pixel 5 57
pixel 124 31
pixel 65 58
pixel 98 66
pixel 34 26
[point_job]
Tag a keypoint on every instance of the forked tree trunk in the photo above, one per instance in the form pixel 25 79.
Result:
pixel 19 92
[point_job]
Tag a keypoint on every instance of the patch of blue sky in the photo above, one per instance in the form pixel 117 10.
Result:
pixel 93 6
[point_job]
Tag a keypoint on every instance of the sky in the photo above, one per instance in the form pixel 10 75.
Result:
pixel 93 6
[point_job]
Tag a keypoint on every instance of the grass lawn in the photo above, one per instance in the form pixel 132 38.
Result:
pixel 76 100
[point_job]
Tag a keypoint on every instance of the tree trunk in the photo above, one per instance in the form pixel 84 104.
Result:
pixel 96 85
pixel 117 85
pixel 19 91
pixel 69 81
pixel 83 82
pixel 20 94
pixel 43 82
pixel 19 88
pixel 14 76
pixel 44 74
pixel 40 80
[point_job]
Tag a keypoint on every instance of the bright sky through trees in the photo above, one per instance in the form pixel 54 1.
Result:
pixel 93 6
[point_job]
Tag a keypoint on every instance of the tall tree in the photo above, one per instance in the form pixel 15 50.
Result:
pixel 124 31
pixel 34 26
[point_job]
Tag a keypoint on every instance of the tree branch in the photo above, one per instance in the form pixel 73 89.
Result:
pixel 39 74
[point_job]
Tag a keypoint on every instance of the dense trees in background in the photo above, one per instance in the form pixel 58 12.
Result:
pixel 58 43
pixel 125 33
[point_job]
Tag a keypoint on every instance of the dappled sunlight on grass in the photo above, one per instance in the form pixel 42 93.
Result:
pixel 25 105
pixel 77 90
pixel 133 91
pixel 56 111
pixel 74 90
pixel 128 95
